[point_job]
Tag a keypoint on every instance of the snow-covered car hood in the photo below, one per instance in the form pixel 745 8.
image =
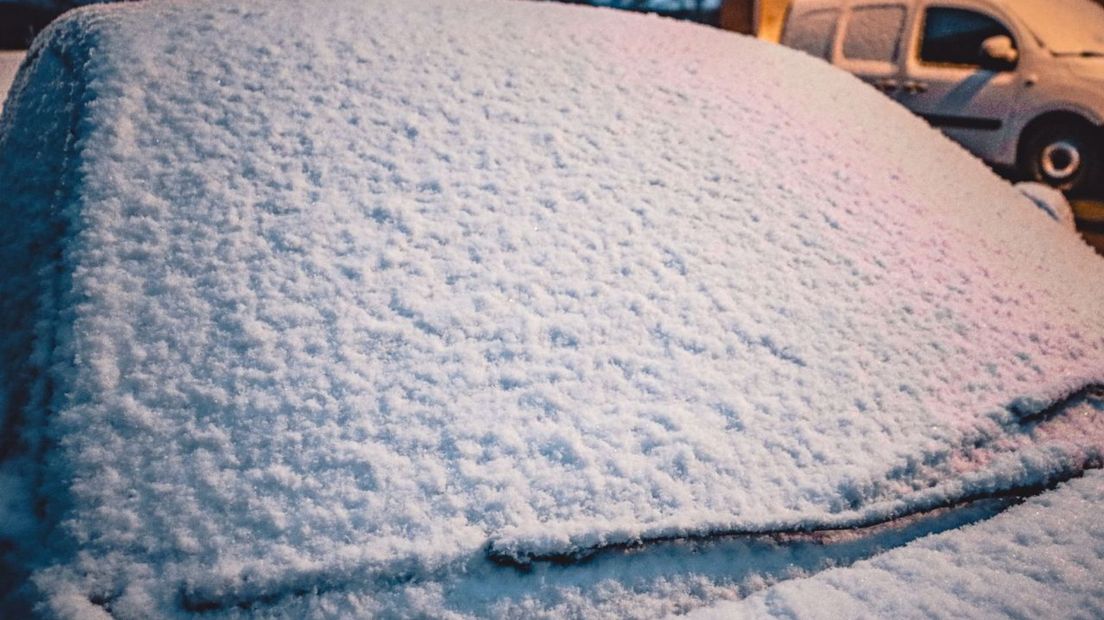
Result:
pixel 304 302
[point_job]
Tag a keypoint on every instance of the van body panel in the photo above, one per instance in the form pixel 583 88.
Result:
pixel 984 110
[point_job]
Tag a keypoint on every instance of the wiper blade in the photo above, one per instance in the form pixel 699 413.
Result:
pixel 1081 54
pixel 1028 417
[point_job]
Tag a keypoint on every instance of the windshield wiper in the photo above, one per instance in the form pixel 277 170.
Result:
pixel 1081 54
pixel 1028 417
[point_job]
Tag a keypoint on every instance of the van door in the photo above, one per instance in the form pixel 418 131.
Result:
pixel 944 80
pixel 870 45
pixel 811 29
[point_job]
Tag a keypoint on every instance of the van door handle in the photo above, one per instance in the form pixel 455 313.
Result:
pixel 913 87
pixel 887 85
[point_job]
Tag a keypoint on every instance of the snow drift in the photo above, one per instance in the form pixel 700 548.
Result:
pixel 299 300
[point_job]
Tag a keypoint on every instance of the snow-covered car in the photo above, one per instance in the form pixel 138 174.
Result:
pixel 1020 83
pixel 505 309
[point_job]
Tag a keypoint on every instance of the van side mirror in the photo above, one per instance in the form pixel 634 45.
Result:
pixel 999 53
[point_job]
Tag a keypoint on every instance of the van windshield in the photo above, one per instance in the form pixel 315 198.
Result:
pixel 1065 27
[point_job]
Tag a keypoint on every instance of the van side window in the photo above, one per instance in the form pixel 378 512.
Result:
pixel 812 32
pixel 954 36
pixel 873 33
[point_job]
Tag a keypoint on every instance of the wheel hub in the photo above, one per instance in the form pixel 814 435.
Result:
pixel 1061 160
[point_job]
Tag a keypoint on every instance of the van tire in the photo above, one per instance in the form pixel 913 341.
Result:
pixel 1063 153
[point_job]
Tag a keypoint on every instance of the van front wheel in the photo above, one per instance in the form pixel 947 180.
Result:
pixel 1065 155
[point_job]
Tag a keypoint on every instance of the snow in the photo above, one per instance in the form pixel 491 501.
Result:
pixel 1051 201
pixel 318 313
pixel 1038 560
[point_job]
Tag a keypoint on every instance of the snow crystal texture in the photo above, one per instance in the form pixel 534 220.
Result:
pixel 300 298
pixel 1039 560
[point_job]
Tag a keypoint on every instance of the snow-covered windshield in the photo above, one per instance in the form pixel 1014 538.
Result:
pixel 401 308
pixel 1065 27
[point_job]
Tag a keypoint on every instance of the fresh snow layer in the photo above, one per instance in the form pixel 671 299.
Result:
pixel 1039 560
pixel 302 301
pixel 1051 201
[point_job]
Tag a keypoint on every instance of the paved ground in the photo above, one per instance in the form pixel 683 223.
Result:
pixel 1090 221
pixel 9 64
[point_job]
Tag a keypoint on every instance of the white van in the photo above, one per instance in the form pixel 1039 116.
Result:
pixel 1020 83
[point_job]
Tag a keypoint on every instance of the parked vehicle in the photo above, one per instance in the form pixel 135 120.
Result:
pixel 1018 83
